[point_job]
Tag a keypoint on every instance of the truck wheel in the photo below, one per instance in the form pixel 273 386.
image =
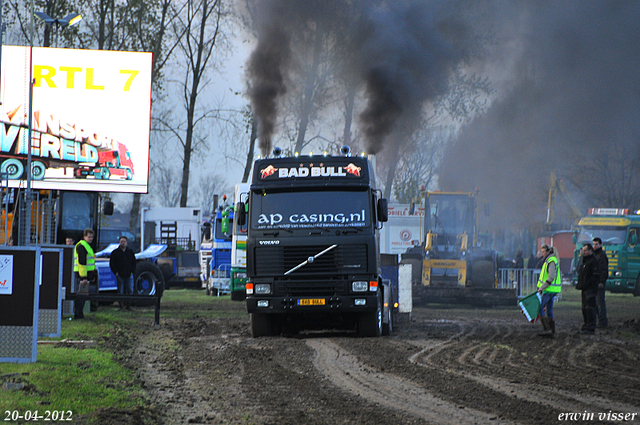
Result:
pixel 106 174
pixel 483 274
pixel 129 174
pixel 261 325
pixel 387 328
pixel 148 279
pixel 37 170
pixel 13 168
pixel 370 323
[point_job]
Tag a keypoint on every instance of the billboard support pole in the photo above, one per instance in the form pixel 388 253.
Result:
pixel 28 191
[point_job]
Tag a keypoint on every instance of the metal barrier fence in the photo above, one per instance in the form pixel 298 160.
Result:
pixel 525 281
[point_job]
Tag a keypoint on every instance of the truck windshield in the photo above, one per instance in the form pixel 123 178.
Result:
pixel 610 235
pixel 306 210
pixel 451 214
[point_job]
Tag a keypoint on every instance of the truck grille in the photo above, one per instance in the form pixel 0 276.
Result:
pixel 310 288
pixel 343 259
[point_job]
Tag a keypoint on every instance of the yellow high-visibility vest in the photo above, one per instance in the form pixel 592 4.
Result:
pixel 556 285
pixel 91 259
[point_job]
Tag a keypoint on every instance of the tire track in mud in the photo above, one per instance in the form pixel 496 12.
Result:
pixel 567 353
pixel 477 367
pixel 346 372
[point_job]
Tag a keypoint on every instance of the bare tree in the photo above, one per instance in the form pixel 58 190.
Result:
pixel 202 24
pixel 150 36
pixel 166 186
pixel 466 96
pixel 418 164
pixel 207 186
pixel 612 174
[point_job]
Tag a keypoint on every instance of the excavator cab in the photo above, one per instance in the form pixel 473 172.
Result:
pixel 451 222
pixel 456 269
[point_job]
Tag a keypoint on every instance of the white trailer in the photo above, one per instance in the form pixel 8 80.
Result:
pixel 179 229
pixel 402 231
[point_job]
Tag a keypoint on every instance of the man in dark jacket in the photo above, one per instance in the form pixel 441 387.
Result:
pixel 603 262
pixel 123 265
pixel 588 279
pixel 518 262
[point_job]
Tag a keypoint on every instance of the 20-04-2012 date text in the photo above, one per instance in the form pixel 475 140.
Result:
pixel 37 416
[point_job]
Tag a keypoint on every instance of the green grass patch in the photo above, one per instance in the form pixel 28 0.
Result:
pixel 85 378
pixel 79 380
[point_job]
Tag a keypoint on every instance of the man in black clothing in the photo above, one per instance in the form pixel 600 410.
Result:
pixel 603 262
pixel 123 265
pixel 588 279
pixel 518 262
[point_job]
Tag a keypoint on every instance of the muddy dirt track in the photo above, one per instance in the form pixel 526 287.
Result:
pixel 445 366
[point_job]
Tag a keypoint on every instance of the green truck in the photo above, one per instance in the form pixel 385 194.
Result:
pixel 618 229
pixel 239 246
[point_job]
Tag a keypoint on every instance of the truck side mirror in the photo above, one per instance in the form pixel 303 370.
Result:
pixel 574 238
pixel 240 214
pixel 634 239
pixel 107 208
pixel 383 210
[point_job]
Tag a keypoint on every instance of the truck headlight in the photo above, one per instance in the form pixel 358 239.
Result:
pixel 263 303
pixel 617 274
pixel 360 286
pixel 262 288
pixel 360 301
pixel 240 275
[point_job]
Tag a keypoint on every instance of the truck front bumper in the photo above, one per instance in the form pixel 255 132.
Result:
pixel 353 303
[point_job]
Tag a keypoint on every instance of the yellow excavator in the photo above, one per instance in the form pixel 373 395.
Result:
pixel 456 268
pixel 556 185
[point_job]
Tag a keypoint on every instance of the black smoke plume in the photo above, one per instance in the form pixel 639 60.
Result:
pixel 570 103
pixel 400 51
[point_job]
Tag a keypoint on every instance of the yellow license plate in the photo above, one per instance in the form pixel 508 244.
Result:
pixel 312 301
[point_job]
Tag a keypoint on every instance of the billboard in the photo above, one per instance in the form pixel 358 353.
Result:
pixel 90 121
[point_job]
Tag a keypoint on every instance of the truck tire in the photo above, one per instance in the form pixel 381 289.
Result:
pixel 261 325
pixel 483 274
pixel 129 174
pixel 13 168
pixel 387 328
pixel 148 279
pixel 370 323
pixel 106 174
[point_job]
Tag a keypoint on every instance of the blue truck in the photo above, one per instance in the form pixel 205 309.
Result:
pixel 216 250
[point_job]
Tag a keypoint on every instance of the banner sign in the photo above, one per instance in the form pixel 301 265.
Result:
pixel 307 210
pixel 90 122
pixel 6 274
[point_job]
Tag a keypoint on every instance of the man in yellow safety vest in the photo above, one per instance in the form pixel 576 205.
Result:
pixel 84 267
pixel 549 285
